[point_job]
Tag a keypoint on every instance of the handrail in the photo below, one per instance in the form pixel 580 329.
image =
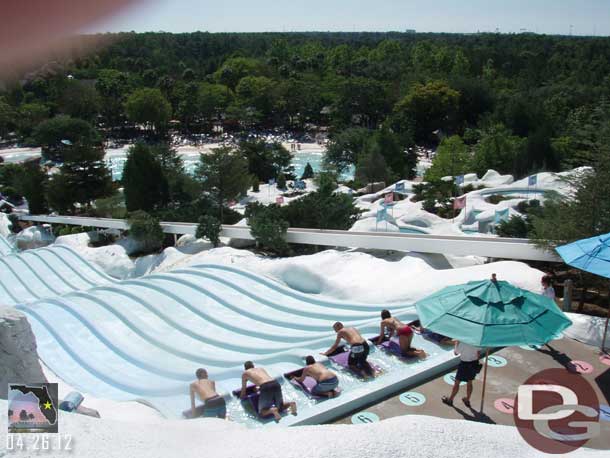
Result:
pixel 493 247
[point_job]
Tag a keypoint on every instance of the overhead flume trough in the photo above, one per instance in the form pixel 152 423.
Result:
pixel 493 247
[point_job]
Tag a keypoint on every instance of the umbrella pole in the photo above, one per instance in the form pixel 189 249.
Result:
pixel 605 332
pixel 484 379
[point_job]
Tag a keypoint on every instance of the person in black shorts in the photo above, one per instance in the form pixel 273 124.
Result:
pixel 359 349
pixel 467 370
pixel 270 401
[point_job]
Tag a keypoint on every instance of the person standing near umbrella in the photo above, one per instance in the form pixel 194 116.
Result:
pixel 466 372
pixel 547 287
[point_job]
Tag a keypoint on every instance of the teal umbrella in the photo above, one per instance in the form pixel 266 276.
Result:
pixel 492 313
pixel 591 255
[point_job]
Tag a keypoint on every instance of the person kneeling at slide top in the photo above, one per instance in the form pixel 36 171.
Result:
pixel 359 349
pixel 270 401
pixel 327 380
pixel 404 333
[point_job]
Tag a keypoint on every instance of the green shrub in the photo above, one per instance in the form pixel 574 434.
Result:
pixel 146 229
pixel 209 228
pixel 516 226
pixel 281 181
pixel 269 228
pixel 496 198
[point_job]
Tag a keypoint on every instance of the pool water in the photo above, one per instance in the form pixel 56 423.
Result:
pixel 116 163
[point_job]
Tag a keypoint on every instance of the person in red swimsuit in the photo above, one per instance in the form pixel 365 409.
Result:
pixel 404 333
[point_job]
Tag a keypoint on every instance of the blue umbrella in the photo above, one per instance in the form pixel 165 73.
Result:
pixel 591 255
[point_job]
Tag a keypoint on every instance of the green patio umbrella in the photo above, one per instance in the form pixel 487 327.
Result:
pixel 492 313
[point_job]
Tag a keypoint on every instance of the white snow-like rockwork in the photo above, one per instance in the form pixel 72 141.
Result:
pixel 18 356
pixel 5 225
pixel 354 275
pixel 34 237
pixel 407 436
pixel 476 217
pixel 112 259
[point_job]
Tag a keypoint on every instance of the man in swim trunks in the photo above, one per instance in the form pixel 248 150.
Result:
pixel 404 333
pixel 327 380
pixel 213 404
pixel 270 401
pixel 359 349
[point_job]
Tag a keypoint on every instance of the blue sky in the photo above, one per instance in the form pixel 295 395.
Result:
pixel 587 17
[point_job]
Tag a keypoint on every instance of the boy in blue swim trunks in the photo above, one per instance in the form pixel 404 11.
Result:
pixel 327 380
pixel 213 404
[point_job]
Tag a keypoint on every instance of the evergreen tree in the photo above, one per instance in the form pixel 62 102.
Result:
pixel 144 183
pixel 209 228
pixel 371 167
pixel 150 107
pixel 83 178
pixel 269 228
pixel 224 174
pixel 266 160
pixel 307 172
pixel 498 150
pixel 452 158
pixel 146 229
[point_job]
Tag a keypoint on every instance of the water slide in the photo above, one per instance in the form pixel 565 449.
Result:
pixel 143 339
pixel 31 275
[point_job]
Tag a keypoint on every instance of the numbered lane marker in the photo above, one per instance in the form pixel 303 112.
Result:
pixel 605 359
pixel 364 417
pixel 496 361
pixel 412 399
pixel 505 405
pixel 529 347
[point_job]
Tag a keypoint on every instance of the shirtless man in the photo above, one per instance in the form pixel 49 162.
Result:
pixel 404 333
pixel 270 401
pixel 359 349
pixel 213 404
pixel 327 380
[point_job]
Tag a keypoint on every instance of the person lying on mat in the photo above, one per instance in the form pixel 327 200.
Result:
pixel 359 349
pixel 438 338
pixel 404 333
pixel 270 401
pixel 327 380
pixel 213 404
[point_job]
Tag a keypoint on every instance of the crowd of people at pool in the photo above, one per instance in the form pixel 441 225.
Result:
pixel 270 401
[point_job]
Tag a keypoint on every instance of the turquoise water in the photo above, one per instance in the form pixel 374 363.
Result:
pixel 116 163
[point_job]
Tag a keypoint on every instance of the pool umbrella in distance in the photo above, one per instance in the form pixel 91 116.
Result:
pixel 591 255
pixel 492 313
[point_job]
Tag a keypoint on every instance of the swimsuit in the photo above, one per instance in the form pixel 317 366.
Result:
pixel 325 386
pixel 358 354
pixel 405 331
pixel 270 394
pixel 215 407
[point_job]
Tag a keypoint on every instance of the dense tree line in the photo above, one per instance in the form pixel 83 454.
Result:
pixel 514 103
pixel 542 89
